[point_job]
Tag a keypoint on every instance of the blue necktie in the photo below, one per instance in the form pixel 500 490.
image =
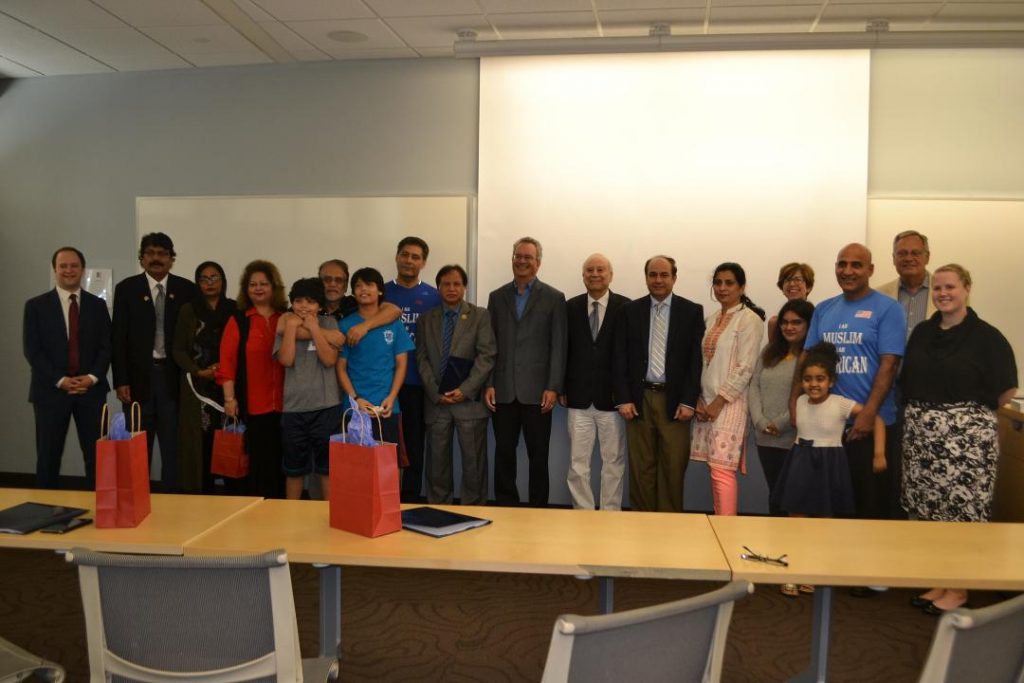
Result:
pixel 446 339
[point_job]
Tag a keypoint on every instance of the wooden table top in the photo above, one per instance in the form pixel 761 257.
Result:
pixel 522 540
pixel 852 552
pixel 173 520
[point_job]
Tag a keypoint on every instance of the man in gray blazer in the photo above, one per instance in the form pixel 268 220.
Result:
pixel 455 352
pixel 529 323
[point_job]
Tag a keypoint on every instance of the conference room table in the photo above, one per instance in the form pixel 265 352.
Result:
pixel 582 543
pixel 853 552
pixel 173 521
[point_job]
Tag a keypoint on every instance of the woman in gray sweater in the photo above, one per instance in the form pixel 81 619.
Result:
pixel 770 387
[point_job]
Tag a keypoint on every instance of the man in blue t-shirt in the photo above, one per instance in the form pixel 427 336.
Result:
pixel 414 298
pixel 372 372
pixel 868 330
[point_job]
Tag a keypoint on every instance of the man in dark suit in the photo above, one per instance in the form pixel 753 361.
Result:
pixel 657 369
pixel 66 337
pixel 528 318
pixel 455 352
pixel 588 388
pixel 145 315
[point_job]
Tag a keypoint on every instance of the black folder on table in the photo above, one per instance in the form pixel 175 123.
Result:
pixel 455 374
pixel 438 523
pixel 28 517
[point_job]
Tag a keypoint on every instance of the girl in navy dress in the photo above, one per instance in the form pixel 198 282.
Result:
pixel 815 477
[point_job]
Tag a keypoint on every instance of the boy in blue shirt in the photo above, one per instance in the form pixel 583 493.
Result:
pixel 372 372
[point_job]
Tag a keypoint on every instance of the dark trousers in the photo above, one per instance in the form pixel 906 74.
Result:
pixel 53 417
pixel 875 495
pixel 771 464
pixel 160 422
pixel 263 444
pixel 410 402
pixel 509 420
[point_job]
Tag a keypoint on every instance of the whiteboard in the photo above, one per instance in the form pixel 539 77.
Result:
pixel 299 233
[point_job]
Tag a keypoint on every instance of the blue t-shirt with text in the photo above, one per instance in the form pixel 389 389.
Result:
pixel 413 302
pixel 862 331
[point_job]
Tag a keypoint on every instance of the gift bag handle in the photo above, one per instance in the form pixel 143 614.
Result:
pixel 380 425
pixel 136 417
pixel 105 422
pixel 228 420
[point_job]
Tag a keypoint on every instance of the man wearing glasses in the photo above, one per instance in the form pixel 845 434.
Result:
pixel 334 275
pixel 529 322
pixel 145 315
pixel 910 255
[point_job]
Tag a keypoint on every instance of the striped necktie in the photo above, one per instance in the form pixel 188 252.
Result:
pixel 659 336
pixel 446 338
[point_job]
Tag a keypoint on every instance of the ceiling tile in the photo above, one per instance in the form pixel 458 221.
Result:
pixel 101 42
pixel 40 52
pixel 11 69
pixel 255 12
pixel 875 10
pixel 385 53
pixel 545 25
pixel 230 58
pixel 603 5
pixel 422 8
pixel 289 39
pixel 378 35
pixel 764 3
pixel 772 15
pixel 197 40
pixel 431 52
pixel 983 10
pixel 439 31
pixel 314 10
pixel 162 12
pixel 616 23
pixel 528 6
pixel 50 14
pixel 169 60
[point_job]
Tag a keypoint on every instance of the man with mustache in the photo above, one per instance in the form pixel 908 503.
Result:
pixel 145 315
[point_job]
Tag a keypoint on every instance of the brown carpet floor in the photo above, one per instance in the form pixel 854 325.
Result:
pixel 405 625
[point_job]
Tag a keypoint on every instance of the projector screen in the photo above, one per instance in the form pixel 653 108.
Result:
pixel 758 158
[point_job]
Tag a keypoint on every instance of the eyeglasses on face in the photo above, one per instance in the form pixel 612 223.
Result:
pixel 794 280
pixel 155 251
pixel 331 280
pixel 209 279
pixel 913 253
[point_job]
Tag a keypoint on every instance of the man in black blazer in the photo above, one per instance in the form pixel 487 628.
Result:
pixel 528 317
pixel 145 315
pixel 66 338
pixel 657 370
pixel 588 388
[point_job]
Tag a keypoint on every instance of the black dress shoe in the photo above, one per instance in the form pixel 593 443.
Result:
pixel 938 611
pixel 919 602
pixel 862 592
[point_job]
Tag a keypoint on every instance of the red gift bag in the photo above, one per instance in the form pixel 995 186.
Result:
pixel 229 458
pixel 122 475
pixel 364 488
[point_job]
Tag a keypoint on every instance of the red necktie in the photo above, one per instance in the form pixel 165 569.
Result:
pixel 73 336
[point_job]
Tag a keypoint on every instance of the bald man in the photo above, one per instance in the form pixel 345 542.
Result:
pixel 868 330
pixel 588 388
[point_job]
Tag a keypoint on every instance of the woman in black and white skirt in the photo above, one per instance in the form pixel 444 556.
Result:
pixel 957 371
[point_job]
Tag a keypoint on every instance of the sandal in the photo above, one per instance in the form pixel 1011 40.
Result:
pixel 806 589
pixel 790 590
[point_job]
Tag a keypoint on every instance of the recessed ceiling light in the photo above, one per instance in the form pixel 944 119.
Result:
pixel 348 36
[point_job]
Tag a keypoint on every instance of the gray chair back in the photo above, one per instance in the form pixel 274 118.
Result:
pixel 151 618
pixel 677 641
pixel 978 645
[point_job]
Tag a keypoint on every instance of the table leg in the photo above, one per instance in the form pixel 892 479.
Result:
pixel 330 610
pixel 817 670
pixel 605 594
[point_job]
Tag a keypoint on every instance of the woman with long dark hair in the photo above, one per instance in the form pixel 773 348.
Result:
pixel 732 338
pixel 197 352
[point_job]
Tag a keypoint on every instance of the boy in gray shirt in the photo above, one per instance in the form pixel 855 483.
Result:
pixel 307 346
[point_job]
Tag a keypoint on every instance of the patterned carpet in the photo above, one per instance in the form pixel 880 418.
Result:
pixel 404 625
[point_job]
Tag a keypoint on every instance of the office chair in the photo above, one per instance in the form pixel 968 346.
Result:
pixel 978 645
pixel 215 619
pixel 17 665
pixel 677 641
